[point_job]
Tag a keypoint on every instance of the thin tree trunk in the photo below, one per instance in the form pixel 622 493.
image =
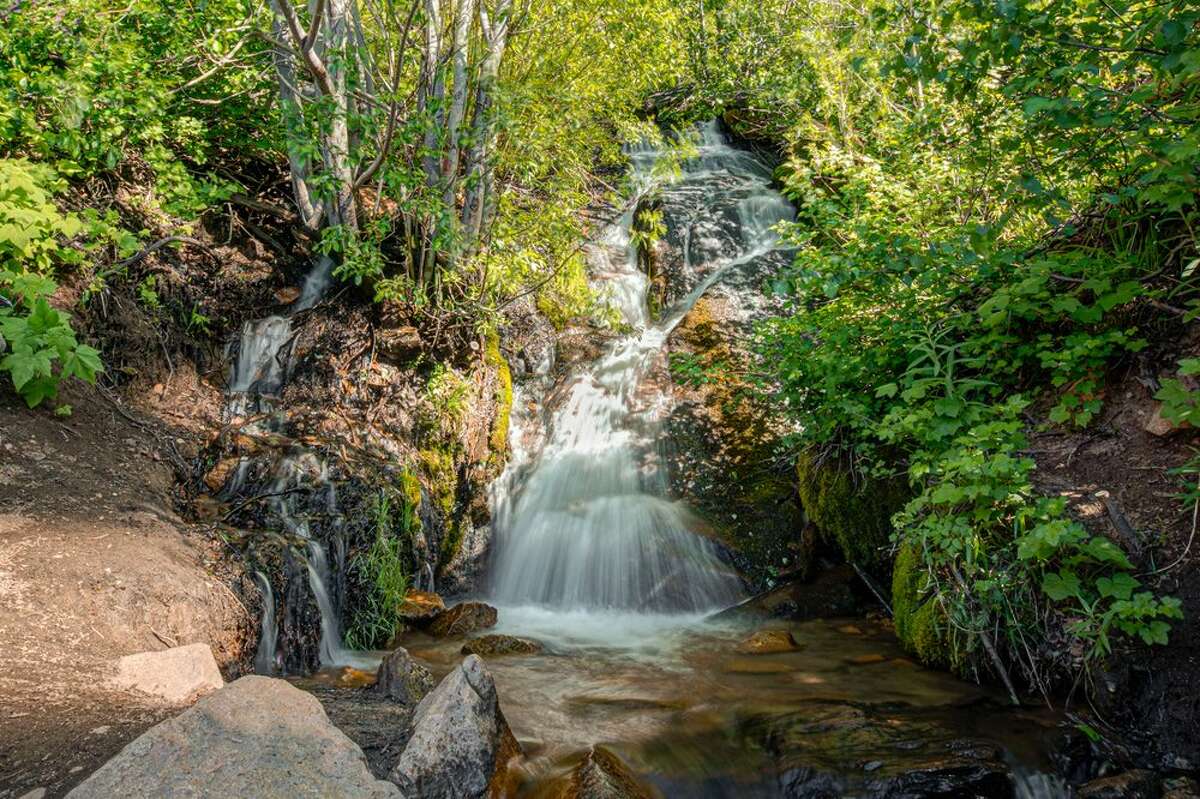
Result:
pixel 495 31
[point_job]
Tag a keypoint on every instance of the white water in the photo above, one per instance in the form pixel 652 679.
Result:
pixel 264 658
pixel 586 538
pixel 259 373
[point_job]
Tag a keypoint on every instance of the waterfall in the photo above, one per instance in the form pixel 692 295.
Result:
pixel 584 523
pixel 264 658
pixel 259 373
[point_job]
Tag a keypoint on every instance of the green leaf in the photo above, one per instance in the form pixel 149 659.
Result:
pixel 1063 585
pixel 1119 586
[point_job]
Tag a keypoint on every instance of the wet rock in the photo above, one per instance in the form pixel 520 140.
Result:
pixel 866 660
pixel 816 749
pixel 460 743
pixel 494 645
pixel 766 642
pixel 175 675
pixel 1135 784
pixel 403 679
pixel 420 608
pixel 828 595
pixel 1181 788
pixel 601 775
pixel 463 619
pixel 258 737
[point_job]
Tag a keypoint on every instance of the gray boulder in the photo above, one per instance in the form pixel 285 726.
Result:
pixel 460 742
pixel 258 737
pixel 403 679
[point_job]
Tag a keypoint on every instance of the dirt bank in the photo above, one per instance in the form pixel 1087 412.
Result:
pixel 95 564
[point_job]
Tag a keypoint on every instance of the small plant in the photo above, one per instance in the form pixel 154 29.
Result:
pixel 1181 405
pixel 384 570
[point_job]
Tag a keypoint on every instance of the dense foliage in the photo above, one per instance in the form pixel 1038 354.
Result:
pixel 997 204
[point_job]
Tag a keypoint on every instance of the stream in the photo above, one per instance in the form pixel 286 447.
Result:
pixel 593 559
pixel 596 562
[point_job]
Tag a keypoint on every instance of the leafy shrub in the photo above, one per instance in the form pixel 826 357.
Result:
pixel 39 347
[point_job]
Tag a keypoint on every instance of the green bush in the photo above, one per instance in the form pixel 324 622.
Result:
pixel 37 342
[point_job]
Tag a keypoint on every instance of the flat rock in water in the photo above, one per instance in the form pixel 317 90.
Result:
pixel 495 645
pixel 601 775
pixel 175 675
pixel 257 737
pixel 403 679
pixel 460 743
pixel 463 619
pixel 766 642
pixel 420 607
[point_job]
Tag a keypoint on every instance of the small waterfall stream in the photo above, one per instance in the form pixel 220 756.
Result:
pixel 584 524
pixel 260 371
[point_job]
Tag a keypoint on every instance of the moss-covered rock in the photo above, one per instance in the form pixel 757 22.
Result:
pixel 725 443
pixel 920 620
pixel 498 441
pixel 854 515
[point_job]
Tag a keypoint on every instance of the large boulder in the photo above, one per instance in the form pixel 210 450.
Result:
pixel 175 675
pixel 258 737
pixel 403 679
pixel 463 619
pixel 460 743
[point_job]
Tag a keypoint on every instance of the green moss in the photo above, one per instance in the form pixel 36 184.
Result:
pixel 920 620
pixel 856 517
pixel 410 492
pixel 498 441
pixel 442 477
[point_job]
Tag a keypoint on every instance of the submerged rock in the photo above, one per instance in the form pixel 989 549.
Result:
pixel 175 675
pixel 601 775
pixel 460 743
pixel 495 645
pixel 766 642
pixel 1135 784
pixel 463 619
pixel 403 679
pixel 258 737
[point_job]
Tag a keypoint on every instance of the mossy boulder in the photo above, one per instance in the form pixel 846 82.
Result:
pixel 919 618
pixel 855 514
pixel 724 448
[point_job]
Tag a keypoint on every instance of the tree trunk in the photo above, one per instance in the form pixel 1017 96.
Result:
pixel 495 30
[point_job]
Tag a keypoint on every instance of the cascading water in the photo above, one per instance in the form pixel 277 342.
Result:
pixel 259 373
pixel 585 523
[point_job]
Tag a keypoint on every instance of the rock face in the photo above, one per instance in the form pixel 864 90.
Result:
pixel 403 679
pixel 766 642
pixel 175 675
pixel 463 619
pixel 601 775
pixel 256 737
pixel 460 742
pixel 494 645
